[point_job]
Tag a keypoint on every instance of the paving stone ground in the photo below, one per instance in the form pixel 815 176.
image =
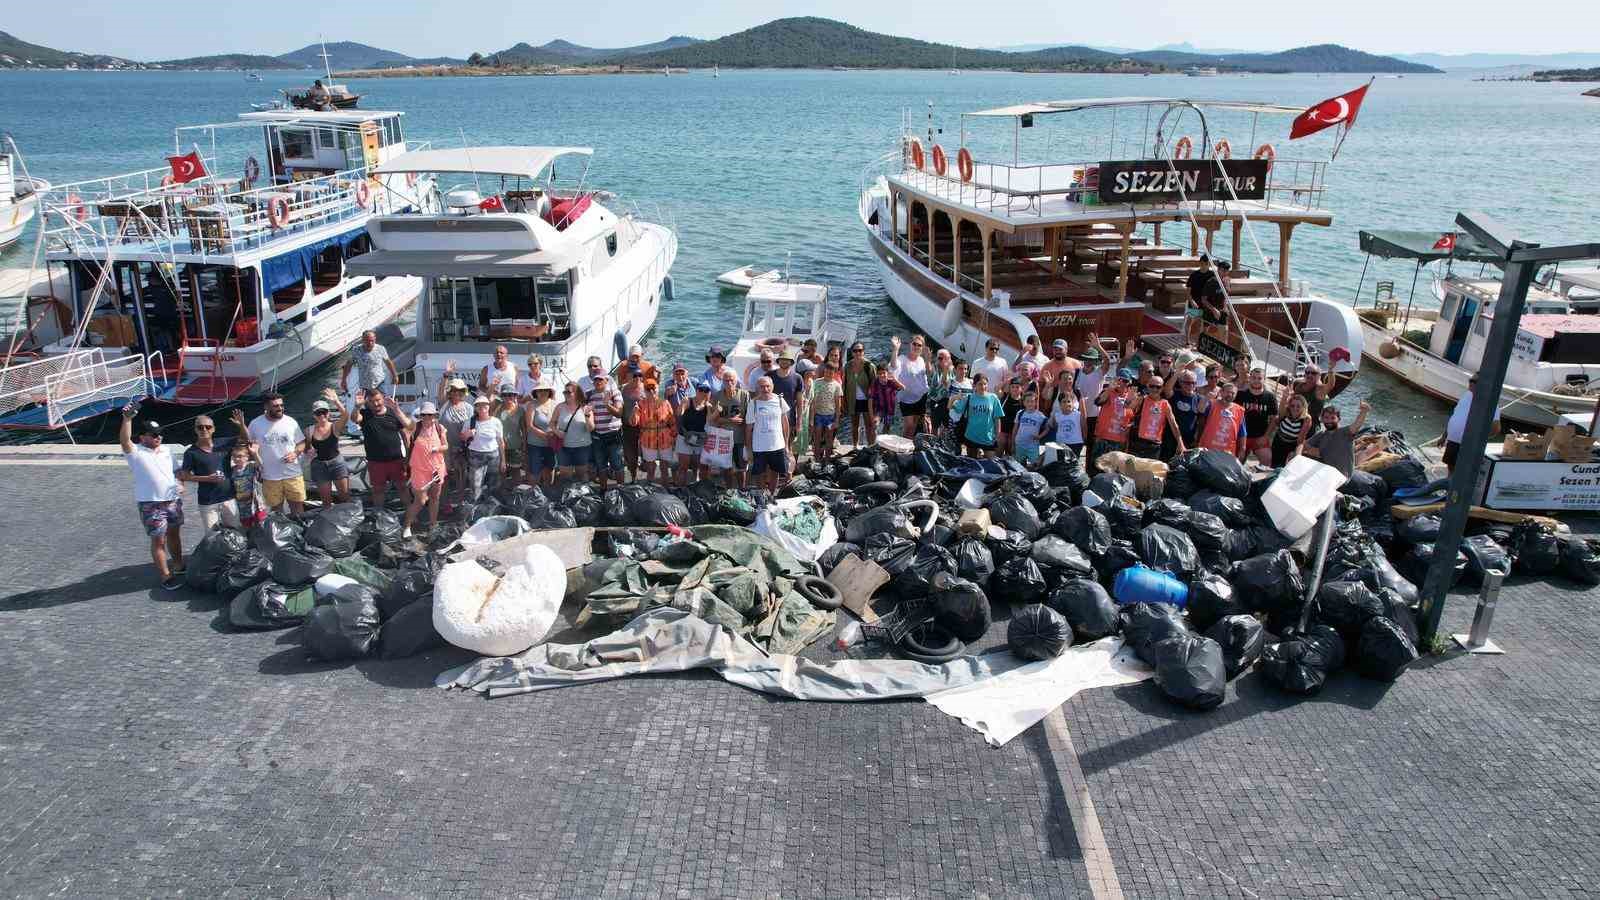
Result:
pixel 145 751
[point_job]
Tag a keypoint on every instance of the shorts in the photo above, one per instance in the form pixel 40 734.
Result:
pixel 1027 455
pixel 1256 443
pixel 288 490
pixel 606 451
pixel 775 461
pixel 651 455
pixel 540 459
pixel 329 469
pixel 823 422
pixel 1145 449
pixel 918 408
pixel 572 457
pixel 157 515
pixel 939 411
pixel 1193 312
pixel 684 448
pixel 1451 449
pixel 383 472
pixel 215 516
pixel 971 446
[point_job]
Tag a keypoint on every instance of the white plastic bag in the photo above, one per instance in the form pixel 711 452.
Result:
pixel 1303 490
pixel 767 524
pixel 717 451
pixel 477 610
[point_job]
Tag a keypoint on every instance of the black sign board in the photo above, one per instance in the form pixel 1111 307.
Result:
pixel 1158 181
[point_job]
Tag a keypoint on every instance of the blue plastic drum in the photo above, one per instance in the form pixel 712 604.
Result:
pixel 1142 584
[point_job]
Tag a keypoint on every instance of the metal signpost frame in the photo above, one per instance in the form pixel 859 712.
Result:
pixel 1520 260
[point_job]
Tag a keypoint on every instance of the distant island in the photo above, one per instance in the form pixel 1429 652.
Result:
pixel 793 43
pixel 1565 75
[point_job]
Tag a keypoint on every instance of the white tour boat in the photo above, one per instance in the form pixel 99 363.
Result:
pixel 19 194
pixel 1554 370
pixel 200 282
pixel 740 280
pixel 972 250
pixel 561 272
pixel 780 316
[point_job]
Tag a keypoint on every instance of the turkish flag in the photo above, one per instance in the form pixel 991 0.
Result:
pixel 1340 110
pixel 187 167
pixel 1445 242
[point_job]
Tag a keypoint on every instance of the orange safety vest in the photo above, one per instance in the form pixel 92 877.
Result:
pixel 1112 423
pixel 1152 420
pixel 1221 431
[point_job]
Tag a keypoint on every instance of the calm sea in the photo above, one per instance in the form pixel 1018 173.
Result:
pixel 765 166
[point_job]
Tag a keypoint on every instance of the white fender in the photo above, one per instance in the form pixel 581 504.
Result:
pixel 952 316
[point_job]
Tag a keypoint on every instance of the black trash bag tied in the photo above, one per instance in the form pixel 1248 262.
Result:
pixel 1013 512
pixel 410 631
pixel 1019 580
pixel 1086 528
pixel 246 570
pixel 1208 532
pixel 210 559
pixel 380 529
pixel 1012 545
pixel 1419 559
pixel 1110 485
pixel 1302 662
pixel 1241 639
pixel 335 529
pixel 1485 556
pixel 1580 560
pixel 1038 632
pixel 1365 484
pixel 1418 529
pixel 1190 670
pixel 346 628
pixel 1087 607
pixel 1536 551
pixel 1126 516
pixel 959 606
pixel 890 519
pixel 276 532
pixel 1119 556
pixel 1268 582
pixel 1144 625
pixel 1211 598
pixel 270 605
pixel 1216 471
pixel 1059 558
pixel 300 567
pixel 1167 549
pixel 410 584
pixel 1345 606
pixel 1231 510
pixel 974 561
pixel 1167 511
pixel 1384 649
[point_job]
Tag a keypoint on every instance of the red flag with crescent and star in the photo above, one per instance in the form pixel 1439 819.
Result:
pixel 1340 110
pixel 1446 242
pixel 187 167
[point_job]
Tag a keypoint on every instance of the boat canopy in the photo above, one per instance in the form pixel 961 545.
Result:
pixel 1584 278
pixel 1046 107
pixel 299 264
pixel 465 264
pixel 1425 246
pixel 521 162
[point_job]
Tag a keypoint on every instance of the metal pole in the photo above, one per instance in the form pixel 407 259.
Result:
pixel 1324 537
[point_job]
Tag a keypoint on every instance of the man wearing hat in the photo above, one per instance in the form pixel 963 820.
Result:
pixel 156 491
pixel 1090 382
pixel 716 361
pixel 455 411
pixel 786 383
pixel 606 447
pixel 1061 367
pixel 638 366
pixel 1116 417
pixel 679 390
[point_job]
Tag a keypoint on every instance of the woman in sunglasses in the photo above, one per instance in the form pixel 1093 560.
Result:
pixel 571 430
pixel 859 374
pixel 329 472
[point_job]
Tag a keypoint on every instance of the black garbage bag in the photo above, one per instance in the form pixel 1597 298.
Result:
pixel 614 508
pixel 1266 539
pixel 276 532
pixel 941 533
pixel 1301 663
pixel 581 501
pixel 1207 531
pixel 379 528
pixel 1231 510
pixel 830 558
pixel 1167 511
pixel 1009 547
pixel 269 605
pixel 1267 582
pixel 346 628
pixel 1419 558
pixel 1241 639
pixel 1580 560
pixel 889 519
pixel 1403 473
pixel 1125 515
pixel 297 568
pixel 959 606
pixel 1485 556
pixel 210 559
pixel 1014 512
pixel 410 584
pixel 1086 606
pixel 1365 484
pixel 552 516
pixel 1060 559
pixel 1086 528
pixel 1345 606
pixel 1216 562
pixel 659 509
pixel 524 500
pixel 1167 549
pixel 1190 670
pixel 1120 555
pixel 1180 484
pixel 974 562
pixel 1418 529
pixel 1399 612
pixel 741 507
pixel 1384 649
pixel 1241 544
pixel 248 569
pixel 1110 485
pixel 1038 632
pixel 1066 472
pixel 856 476
pixel 1211 598
pixel 1535 551
pixel 912 566
pixel 1146 624
pixel 1219 472
pixel 1034 487
pixel 335 529
pixel 473 511
pixel 1019 580
pixel 410 631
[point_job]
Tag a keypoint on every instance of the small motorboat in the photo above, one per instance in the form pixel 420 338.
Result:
pixel 746 277
pixel 780 316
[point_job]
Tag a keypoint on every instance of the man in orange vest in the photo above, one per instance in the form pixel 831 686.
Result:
pixel 1152 416
pixel 1223 428
pixel 1116 414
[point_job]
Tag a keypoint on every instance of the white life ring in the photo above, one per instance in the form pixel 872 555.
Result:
pixel 951 320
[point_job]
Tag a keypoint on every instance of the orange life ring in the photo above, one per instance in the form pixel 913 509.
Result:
pixel 80 210
pixel 278 212
pixel 1265 152
pixel 1183 148
pixel 363 194
pixel 1223 149
pixel 964 164
pixel 940 163
pixel 917 159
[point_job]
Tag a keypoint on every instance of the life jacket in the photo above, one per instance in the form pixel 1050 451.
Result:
pixel 1112 424
pixel 1221 431
pixel 1152 419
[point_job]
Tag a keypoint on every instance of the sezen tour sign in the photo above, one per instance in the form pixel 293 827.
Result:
pixel 1164 181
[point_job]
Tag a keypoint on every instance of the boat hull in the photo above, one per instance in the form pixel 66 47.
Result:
pixel 14 219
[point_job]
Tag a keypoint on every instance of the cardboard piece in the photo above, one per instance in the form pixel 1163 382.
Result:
pixel 573 546
pixel 1567 445
pixel 974 522
pixel 857 580
pixel 1524 446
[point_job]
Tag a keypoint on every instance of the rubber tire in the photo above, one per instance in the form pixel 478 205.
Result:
pixel 878 486
pixel 819 592
pixel 940 647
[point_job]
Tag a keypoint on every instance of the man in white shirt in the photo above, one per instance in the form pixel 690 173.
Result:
pixel 767 436
pixel 992 365
pixel 281 442
pixel 156 491
pixel 1091 381
pixel 1458 425
pixel 911 371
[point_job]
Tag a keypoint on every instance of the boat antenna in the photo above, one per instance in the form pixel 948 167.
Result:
pixel 788 267
pixel 326 68
pixel 470 164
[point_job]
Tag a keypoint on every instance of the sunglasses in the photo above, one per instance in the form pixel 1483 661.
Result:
pixel 205 428
pixel 320 412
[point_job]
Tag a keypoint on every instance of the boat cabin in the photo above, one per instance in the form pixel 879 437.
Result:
pixel 780 316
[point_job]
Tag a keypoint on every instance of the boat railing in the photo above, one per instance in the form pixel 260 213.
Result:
pixel 23 384
pixel 965 280
pixel 72 390
pixel 206 217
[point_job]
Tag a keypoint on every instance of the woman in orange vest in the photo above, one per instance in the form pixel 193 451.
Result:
pixel 1116 415
pixel 1223 428
pixel 1153 416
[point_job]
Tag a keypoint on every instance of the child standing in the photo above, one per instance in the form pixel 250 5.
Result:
pixel 825 396
pixel 1030 425
pixel 883 397
pixel 244 469
pixel 960 387
pixel 1071 429
pixel 800 441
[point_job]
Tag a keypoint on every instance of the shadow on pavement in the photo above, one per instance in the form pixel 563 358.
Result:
pixel 130 579
pixel 1063 836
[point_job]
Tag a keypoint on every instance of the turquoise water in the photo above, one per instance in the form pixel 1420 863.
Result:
pixel 757 165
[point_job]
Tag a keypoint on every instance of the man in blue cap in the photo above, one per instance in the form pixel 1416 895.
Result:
pixel 716 360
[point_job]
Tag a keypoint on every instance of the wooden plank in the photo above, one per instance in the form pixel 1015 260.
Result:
pixel 1477 512
pixel 573 546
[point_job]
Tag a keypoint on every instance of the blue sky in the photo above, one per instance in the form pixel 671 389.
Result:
pixel 455 28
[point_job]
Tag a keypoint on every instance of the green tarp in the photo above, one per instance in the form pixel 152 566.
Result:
pixel 1425 246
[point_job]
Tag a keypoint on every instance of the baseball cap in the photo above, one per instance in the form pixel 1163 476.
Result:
pixel 1127 374
pixel 679 367
pixel 716 350
pixel 599 375
pixel 426 408
pixel 148 426
pixel 508 390
pixel 321 406
pixel 804 366
pixel 702 386
pixel 481 399
pixel 1059 343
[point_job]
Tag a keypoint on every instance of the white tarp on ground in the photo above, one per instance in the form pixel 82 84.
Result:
pixel 997 694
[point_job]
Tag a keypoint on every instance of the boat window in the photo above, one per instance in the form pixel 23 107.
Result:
pixel 296 143
pixel 611 244
pixel 756 317
pixel 805 316
pixel 1447 310
pixel 326 139
pixel 452 309
pixel 505 298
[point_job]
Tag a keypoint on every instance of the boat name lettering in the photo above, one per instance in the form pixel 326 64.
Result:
pixel 1064 320
pixel 1160 180
pixel 1217 350
pixel 1586 470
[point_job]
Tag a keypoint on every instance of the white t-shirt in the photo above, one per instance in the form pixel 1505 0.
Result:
pixel 996 369
pixel 913 378
pixel 486 435
pixel 767 418
pixel 1090 381
pixel 1035 359
pixel 277 439
pixel 525 383
pixel 498 377
pixel 153 474
pixel 1069 426
pixel 1458 418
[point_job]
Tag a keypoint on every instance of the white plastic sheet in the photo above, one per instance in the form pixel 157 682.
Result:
pixel 477 610
pixel 806 551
